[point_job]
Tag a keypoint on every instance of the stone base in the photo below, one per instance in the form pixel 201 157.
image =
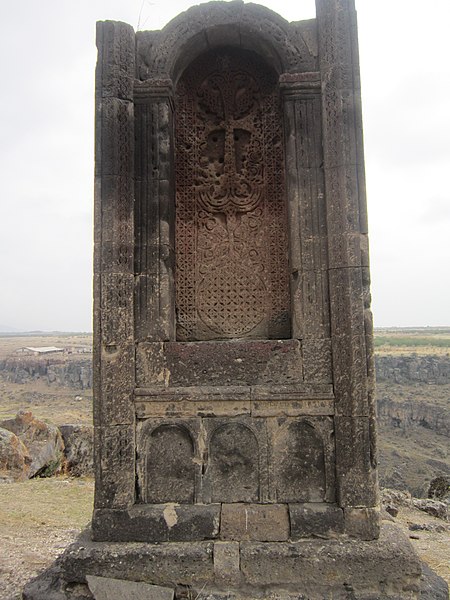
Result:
pixel 337 569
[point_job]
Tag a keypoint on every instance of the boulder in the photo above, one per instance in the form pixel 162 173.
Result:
pixel 432 507
pixel 14 458
pixel 78 449
pixel 43 441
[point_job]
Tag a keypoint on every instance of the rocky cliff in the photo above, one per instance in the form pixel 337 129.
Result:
pixel 65 372
pixel 409 369
pixel 405 413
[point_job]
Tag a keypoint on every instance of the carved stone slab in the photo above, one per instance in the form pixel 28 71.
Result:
pixel 105 588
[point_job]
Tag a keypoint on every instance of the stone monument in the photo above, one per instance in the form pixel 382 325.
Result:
pixel 235 436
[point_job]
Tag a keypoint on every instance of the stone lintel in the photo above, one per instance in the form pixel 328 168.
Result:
pixel 319 391
pixel 208 401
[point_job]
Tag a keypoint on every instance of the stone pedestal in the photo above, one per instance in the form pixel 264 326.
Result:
pixel 310 569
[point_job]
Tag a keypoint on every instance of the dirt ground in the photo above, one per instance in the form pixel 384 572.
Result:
pixel 39 518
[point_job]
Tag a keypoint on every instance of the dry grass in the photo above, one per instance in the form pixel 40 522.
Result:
pixel 433 547
pixel 52 404
pixel 38 520
pixel 54 502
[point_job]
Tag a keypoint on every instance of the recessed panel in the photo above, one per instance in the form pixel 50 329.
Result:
pixel 231 227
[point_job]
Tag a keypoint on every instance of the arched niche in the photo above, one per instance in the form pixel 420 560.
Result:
pixel 287 47
pixel 170 467
pixel 233 464
pixel 231 240
pixel 300 456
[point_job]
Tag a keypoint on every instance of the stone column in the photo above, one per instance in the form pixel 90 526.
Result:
pixel 113 267
pixel 307 221
pixel 154 212
pixel 351 327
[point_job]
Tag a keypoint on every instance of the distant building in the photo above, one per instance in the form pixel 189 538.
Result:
pixel 38 351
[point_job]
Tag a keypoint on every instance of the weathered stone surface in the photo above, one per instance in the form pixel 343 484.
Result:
pixel 315 520
pixel 355 470
pixel 362 565
pixel 114 466
pixel 234 464
pixel 303 465
pixel 158 523
pixel 257 522
pixel 317 360
pixel 362 523
pixel 158 564
pixel 386 569
pixel 43 442
pixel 170 469
pixel 218 363
pixel 78 449
pixel 300 463
pixel 115 70
pixel 14 458
pixel 169 460
pixel 432 587
pixel 434 508
pixel 226 563
pixel 105 588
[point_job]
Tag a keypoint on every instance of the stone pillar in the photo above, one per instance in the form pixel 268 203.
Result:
pixel 351 325
pixel 154 211
pixel 113 267
pixel 307 221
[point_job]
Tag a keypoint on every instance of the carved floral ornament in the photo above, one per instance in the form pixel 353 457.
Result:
pixel 231 243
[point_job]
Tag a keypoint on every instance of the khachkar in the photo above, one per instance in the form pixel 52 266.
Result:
pixel 234 379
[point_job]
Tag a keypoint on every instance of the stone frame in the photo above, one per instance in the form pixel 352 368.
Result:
pixel 318 72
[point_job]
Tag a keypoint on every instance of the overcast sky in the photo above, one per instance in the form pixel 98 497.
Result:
pixel 48 55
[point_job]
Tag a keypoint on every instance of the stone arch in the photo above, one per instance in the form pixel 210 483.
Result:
pixel 169 465
pixel 207 26
pixel 233 472
pixel 300 454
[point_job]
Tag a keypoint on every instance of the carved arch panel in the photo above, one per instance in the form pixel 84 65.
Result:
pixel 232 276
pixel 170 467
pixel 233 466
pixel 301 466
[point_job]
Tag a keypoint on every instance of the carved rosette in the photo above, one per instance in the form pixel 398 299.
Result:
pixel 231 243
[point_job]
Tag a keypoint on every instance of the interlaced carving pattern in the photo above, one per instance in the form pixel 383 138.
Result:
pixel 231 239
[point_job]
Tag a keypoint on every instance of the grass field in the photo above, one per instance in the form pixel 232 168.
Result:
pixel 423 340
pixel 420 340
